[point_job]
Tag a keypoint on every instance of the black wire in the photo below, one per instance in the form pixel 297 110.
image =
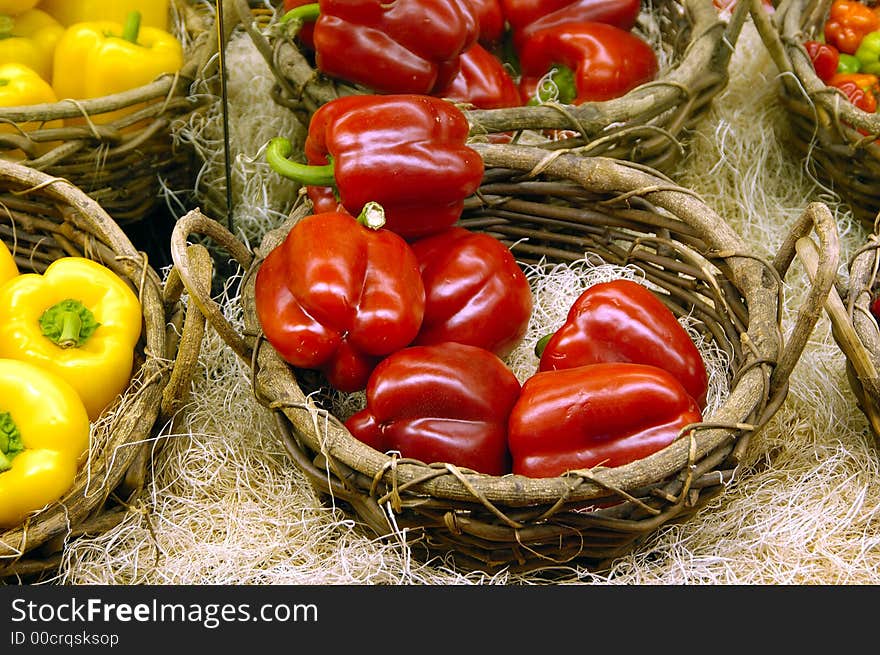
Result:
pixel 221 49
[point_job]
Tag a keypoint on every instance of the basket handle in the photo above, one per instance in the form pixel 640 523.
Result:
pixel 819 217
pixel 197 286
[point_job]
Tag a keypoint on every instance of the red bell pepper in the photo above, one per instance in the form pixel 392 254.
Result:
pixel 338 295
pixel 623 321
pixel 475 292
pixel 407 152
pixel 860 88
pixel 490 16
pixel 482 81
pixel 528 16
pixel 825 58
pixel 596 415
pixel 849 21
pixel 594 62
pixel 448 402
pixel 390 47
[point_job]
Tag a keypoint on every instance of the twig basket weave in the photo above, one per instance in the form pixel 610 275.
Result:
pixel 854 327
pixel 833 135
pixel 119 163
pixel 42 219
pixel 649 124
pixel 556 207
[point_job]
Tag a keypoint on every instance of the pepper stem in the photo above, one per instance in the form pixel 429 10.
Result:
pixel 557 85
pixel 307 13
pixel 372 215
pixel 277 153
pixel 68 324
pixel 10 441
pixel 542 344
pixel 132 26
pixel 7 26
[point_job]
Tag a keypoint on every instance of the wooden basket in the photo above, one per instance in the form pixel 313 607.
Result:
pixel 834 136
pixel 649 124
pixel 122 164
pixel 42 219
pixel 853 326
pixel 557 207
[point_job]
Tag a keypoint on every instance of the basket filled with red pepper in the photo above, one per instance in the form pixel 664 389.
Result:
pixel 615 78
pixel 94 360
pixel 381 329
pixel 828 55
pixel 92 92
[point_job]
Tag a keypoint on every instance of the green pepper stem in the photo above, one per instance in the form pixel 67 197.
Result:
pixel 7 26
pixel 277 153
pixel 542 344
pixel 68 324
pixel 372 215
pixel 10 441
pixel 558 85
pixel 132 26
pixel 307 13
pixel 4 81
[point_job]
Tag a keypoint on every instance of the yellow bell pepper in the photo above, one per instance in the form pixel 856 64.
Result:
pixel 21 85
pixel 30 38
pixel 78 320
pixel 154 13
pixel 44 433
pixel 8 267
pixel 17 6
pixel 102 58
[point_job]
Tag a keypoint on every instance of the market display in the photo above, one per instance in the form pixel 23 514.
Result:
pixel 452 153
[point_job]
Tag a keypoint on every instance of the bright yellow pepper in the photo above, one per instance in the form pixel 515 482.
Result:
pixel 78 320
pixel 30 38
pixel 17 6
pixel 8 267
pixel 21 85
pixel 44 433
pixel 102 58
pixel 154 13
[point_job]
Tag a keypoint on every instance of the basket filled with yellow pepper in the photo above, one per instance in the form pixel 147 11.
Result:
pixel 828 56
pixel 96 92
pixel 96 355
pixel 623 79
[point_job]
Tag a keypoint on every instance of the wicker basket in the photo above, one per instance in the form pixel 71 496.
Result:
pixel 122 164
pixel 649 124
pixel 45 218
pixel 825 126
pixel 557 207
pixel 853 326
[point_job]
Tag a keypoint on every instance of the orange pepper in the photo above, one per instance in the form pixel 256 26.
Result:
pixel 848 21
pixel 861 89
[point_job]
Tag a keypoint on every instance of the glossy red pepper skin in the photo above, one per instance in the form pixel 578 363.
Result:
pixel 623 321
pixel 528 16
pixel 406 152
pixel 475 292
pixel 860 88
pixel 490 16
pixel 599 414
pixel 825 58
pixel 607 61
pixel 848 22
pixel 448 402
pixel 482 81
pixel 394 47
pixel 337 296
